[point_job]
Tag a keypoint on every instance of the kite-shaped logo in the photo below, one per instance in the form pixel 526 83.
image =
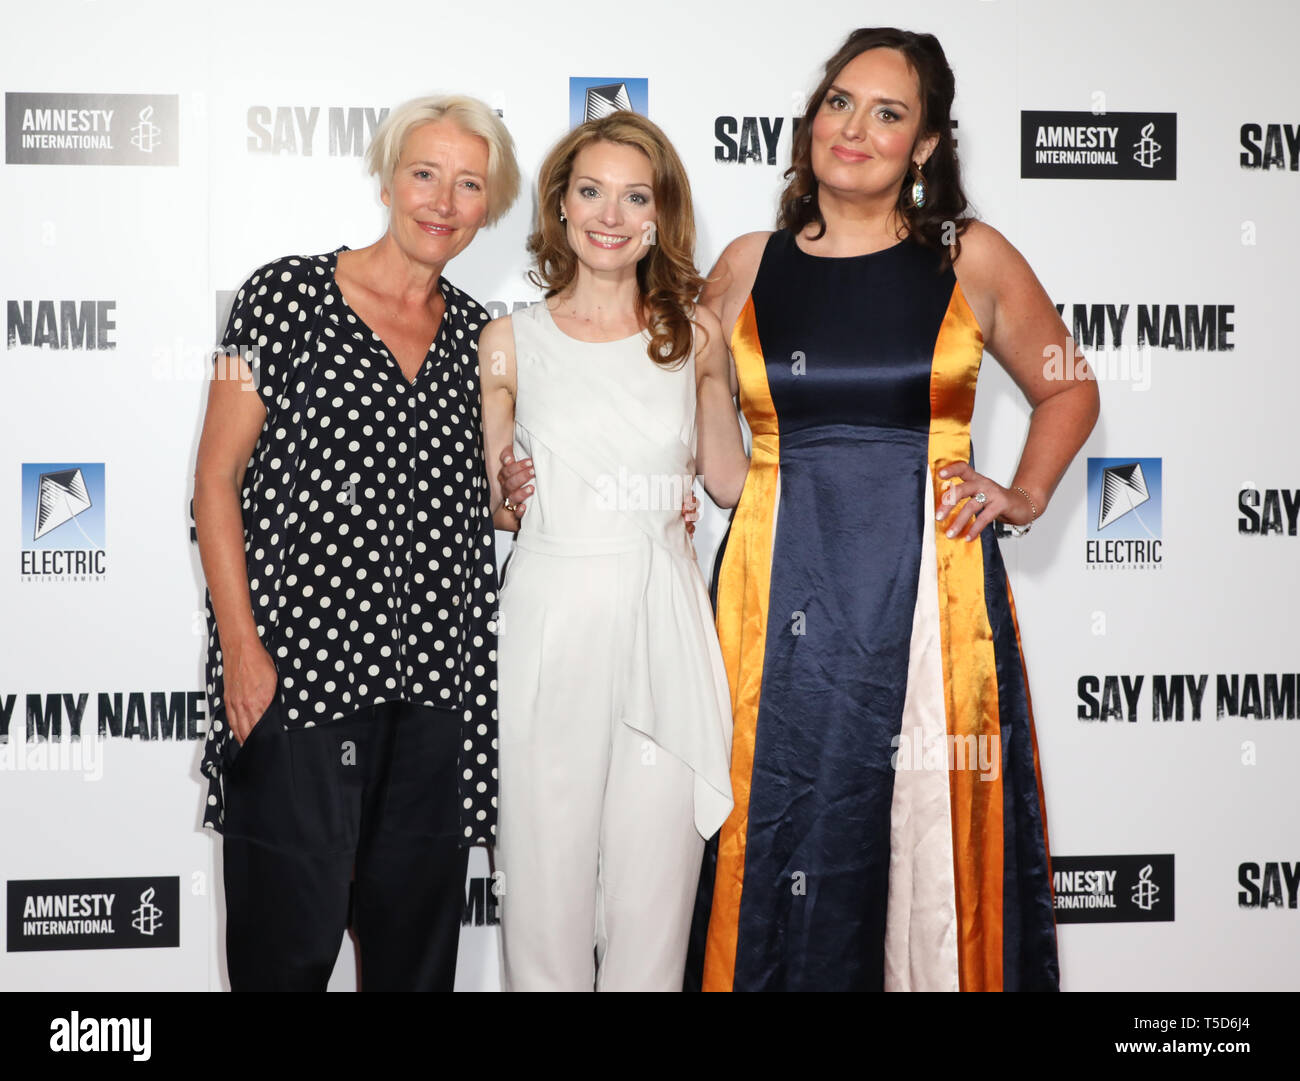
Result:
pixel 60 497
pixel 1124 498
pixel 1123 489
pixel 593 98
pixel 63 505
pixel 603 100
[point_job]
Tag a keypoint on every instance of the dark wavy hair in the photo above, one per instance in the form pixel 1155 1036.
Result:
pixel 667 279
pixel 945 202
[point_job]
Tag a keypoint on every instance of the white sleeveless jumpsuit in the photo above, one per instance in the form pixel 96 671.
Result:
pixel 615 717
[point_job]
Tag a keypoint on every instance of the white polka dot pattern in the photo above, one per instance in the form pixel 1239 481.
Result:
pixel 367 529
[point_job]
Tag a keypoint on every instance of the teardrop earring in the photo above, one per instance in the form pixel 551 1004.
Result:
pixel 918 192
pixel 562 217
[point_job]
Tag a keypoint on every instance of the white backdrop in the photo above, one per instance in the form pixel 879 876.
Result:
pixel 254 174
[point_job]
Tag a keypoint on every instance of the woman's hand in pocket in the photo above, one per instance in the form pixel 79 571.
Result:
pixel 250 680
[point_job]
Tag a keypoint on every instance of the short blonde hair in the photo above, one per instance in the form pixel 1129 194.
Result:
pixel 470 115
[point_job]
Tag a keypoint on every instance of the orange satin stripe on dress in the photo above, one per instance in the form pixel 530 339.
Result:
pixel 1033 742
pixel 970 668
pixel 743 588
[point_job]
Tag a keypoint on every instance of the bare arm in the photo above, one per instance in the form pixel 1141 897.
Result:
pixel 496 364
pixel 728 285
pixel 1027 337
pixel 720 460
pixel 231 426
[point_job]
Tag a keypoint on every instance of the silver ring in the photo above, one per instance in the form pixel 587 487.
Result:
pixel 980 497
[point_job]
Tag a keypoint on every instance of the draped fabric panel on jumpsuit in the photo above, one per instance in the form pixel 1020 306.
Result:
pixel 615 714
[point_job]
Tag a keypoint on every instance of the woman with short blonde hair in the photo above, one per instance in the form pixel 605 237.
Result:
pixel 346 537
pixel 471 116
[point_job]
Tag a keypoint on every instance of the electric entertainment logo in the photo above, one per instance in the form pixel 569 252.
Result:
pixel 63 522
pixel 1124 511
pixel 591 98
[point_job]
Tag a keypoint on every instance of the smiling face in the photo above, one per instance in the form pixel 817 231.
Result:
pixel 610 206
pixel 438 199
pixel 864 136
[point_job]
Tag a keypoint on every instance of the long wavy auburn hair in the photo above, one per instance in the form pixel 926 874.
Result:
pixel 667 278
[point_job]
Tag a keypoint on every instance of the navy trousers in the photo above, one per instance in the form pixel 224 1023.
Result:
pixel 353 819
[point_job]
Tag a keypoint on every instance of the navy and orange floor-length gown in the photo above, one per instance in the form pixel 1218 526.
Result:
pixel 868 654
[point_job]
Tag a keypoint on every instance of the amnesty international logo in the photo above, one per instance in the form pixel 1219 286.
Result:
pixel 147 918
pixel 591 98
pixel 146 134
pixel 1098 145
pixel 92 914
pixel 1113 889
pixel 1145 891
pixel 1146 151
pixel 92 129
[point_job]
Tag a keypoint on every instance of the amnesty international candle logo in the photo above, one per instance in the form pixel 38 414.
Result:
pixel 1146 151
pixel 63 527
pixel 146 135
pixel 93 914
pixel 147 917
pixel 1145 891
pixel 92 129
pixel 593 97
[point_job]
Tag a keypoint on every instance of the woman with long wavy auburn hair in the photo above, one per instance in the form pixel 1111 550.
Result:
pixel 889 829
pixel 615 719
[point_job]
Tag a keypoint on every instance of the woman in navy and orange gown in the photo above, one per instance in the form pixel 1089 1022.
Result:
pixel 862 604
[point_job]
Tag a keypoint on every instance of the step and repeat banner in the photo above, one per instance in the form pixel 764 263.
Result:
pixel 1148 166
